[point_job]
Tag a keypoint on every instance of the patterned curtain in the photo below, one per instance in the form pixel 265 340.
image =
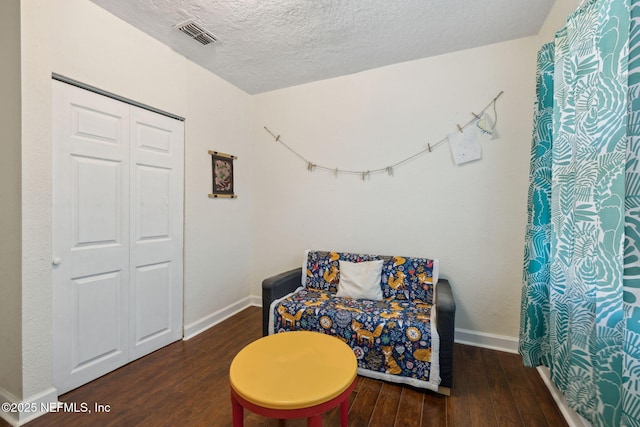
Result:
pixel 534 315
pixel 631 288
pixel 581 294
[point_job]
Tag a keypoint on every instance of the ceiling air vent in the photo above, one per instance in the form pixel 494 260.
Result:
pixel 195 31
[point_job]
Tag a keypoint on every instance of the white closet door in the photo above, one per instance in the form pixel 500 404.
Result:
pixel 156 230
pixel 90 235
pixel 117 233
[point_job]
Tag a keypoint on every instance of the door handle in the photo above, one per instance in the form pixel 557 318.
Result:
pixel 56 261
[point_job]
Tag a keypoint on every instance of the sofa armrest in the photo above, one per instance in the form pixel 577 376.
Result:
pixel 276 287
pixel 445 323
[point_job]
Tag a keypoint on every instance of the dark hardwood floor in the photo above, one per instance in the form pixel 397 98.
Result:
pixel 186 384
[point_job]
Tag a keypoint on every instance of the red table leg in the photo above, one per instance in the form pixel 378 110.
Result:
pixel 344 412
pixel 237 411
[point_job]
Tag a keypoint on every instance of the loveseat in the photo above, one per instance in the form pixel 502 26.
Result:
pixel 399 323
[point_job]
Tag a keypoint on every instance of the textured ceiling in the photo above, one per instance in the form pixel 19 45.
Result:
pixel 272 44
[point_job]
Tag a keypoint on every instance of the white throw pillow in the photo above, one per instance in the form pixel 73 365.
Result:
pixel 360 280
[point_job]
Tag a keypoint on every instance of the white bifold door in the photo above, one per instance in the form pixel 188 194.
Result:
pixel 117 233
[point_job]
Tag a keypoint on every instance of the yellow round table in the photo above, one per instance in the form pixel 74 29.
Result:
pixel 297 374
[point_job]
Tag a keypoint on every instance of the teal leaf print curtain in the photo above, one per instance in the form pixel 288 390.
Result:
pixel 580 311
pixel 631 288
pixel 534 339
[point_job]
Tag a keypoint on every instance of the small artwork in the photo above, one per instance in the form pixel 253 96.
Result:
pixel 222 166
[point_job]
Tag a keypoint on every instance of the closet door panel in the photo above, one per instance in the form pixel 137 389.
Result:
pixel 157 147
pixel 153 297
pixel 90 232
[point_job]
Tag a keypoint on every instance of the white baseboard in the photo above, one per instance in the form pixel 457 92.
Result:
pixel 30 408
pixel 199 326
pixel 255 301
pixel 491 341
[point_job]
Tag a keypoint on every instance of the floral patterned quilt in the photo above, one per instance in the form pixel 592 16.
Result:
pixel 393 339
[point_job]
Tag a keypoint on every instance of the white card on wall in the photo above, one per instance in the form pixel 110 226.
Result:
pixel 465 146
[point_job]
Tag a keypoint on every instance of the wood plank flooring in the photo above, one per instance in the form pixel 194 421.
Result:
pixel 186 384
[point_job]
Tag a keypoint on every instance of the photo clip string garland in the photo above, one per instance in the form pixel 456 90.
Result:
pixel 388 169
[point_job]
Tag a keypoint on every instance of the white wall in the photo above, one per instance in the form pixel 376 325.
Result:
pixel 472 217
pixel 556 19
pixel 78 39
pixel 217 231
pixel 10 218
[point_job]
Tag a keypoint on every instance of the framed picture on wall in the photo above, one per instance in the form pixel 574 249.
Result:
pixel 222 171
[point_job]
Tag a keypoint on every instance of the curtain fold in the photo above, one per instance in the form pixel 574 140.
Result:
pixel 534 313
pixel 581 295
pixel 631 288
